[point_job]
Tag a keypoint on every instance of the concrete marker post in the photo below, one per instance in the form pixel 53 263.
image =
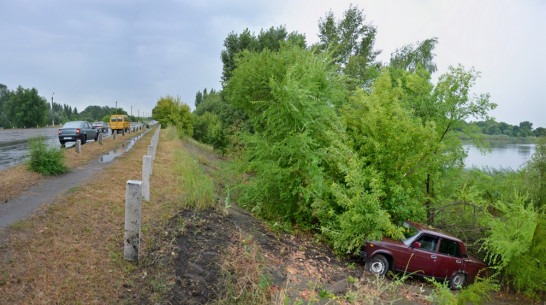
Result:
pixel 151 153
pixel 78 146
pixel 115 133
pixel 133 205
pixel 146 172
pixel 100 138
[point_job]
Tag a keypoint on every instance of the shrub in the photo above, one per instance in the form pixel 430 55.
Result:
pixel 45 159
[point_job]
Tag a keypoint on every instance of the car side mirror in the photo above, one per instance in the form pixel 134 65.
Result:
pixel 416 244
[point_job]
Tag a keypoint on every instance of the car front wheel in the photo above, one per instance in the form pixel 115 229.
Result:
pixel 378 265
pixel 457 281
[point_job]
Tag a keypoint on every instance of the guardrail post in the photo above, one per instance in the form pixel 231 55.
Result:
pixel 151 153
pixel 133 202
pixel 78 146
pixel 146 172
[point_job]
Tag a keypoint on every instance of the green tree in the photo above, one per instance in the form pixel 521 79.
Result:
pixel 4 97
pixel 26 108
pixel 270 39
pixel 525 129
pixel 288 97
pixel 198 98
pixel 170 111
pixel 351 42
pixel 540 132
pixel 409 57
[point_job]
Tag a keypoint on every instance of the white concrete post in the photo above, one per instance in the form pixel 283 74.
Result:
pixel 78 146
pixel 114 134
pixel 133 202
pixel 151 154
pixel 100 138
pixel 146 172
pixel 123 132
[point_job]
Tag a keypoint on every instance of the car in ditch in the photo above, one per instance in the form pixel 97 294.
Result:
pixel 77 130
pixel 425 252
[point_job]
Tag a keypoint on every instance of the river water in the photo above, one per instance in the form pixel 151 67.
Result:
pixel 504 155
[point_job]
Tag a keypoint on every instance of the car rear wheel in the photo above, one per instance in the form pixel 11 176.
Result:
pixel 457 281
pixel 84 139
pixel 378 265
pixel 97 136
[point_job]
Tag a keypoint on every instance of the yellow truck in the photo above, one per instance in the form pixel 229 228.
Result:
pixel 119 123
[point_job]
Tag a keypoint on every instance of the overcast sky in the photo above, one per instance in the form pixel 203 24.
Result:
pixel 97 52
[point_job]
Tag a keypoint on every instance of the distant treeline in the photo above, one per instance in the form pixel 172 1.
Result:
pixel 523 130
pixel 23 107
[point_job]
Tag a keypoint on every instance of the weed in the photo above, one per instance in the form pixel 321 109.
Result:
pixel 22 225
pixel 73 189
pixel 44 159
pixel 244 275
pixel 197 188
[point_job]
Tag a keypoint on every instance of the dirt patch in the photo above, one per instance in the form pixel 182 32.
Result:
pixel 291 261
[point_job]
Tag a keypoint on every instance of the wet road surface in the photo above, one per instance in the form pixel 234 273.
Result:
pixel 14 143
pixel 16 209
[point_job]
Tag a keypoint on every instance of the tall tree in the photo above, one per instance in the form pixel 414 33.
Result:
pixel 409 57
pixel 170 110
pixel 270 39
pixel 351 42
pixel 26 108
pixel 198 98
pixel 525 129
pixel 4 97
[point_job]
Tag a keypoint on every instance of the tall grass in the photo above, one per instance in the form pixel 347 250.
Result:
pixel 45 159
pixel 197 188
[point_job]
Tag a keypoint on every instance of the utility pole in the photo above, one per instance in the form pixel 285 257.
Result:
pixel 52 111
pixel 116 107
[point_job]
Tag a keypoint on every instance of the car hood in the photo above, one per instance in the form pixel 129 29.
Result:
pixel 388 240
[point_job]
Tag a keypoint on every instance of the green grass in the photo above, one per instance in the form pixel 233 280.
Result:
pixel 197 187
pixel 44 159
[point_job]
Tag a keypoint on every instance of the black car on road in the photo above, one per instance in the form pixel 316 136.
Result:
pixel 77 130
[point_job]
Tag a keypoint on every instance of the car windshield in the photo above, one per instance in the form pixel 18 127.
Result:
pixel 409 232
pixel 72 125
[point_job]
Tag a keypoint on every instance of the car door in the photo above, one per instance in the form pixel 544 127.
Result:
pixel 424 256
pixel 449 258
pixel 89 131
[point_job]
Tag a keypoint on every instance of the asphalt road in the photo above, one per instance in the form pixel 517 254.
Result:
pixel 39 195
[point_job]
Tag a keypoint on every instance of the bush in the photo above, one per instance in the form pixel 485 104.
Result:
pixel 44 159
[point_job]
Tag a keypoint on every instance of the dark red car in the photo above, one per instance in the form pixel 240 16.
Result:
pixel 424 251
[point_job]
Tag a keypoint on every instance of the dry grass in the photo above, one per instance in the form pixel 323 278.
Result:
pixel 73 254
pixel 16 180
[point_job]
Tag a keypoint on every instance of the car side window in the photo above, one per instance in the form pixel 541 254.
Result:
pixel 450 247
pixel 428 243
